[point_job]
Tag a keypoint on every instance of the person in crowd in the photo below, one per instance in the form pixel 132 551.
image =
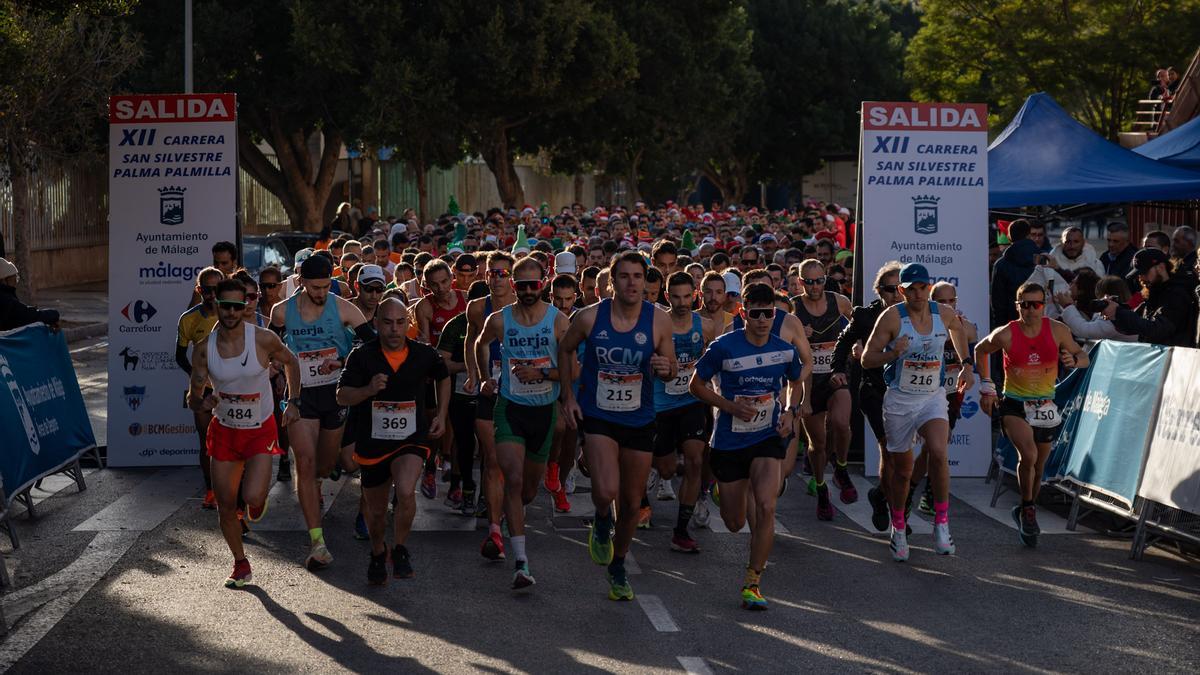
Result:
pixel 1183 249
pixel 1037 232
pixel 13 312
pixel 1157 239
pixel 1011 270
pixel 1168 314
pixel 1117 259
pixel 1074 253
pixel 1082 305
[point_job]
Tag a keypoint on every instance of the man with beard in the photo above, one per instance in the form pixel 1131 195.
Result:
pixel 194 326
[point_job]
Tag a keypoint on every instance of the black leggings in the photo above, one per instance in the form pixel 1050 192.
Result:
pixel 462 421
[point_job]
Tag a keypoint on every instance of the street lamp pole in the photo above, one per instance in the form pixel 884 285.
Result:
pixel 187 47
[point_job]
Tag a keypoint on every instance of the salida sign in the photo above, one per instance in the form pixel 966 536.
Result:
pixel 172 108
pixel 924 116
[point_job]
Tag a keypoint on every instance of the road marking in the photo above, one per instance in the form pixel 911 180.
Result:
pixel 283 510
pixel 657 612
pixel 860 511
pixel 631 566
pixel 98 345
pixel 717 525
pixel 694 665
pixel 150 503
pixel 41 606
pixel 978 495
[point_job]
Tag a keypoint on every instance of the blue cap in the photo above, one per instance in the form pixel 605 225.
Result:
pixel 913 273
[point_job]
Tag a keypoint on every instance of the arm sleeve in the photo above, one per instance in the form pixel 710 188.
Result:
pixel 1084 329
pixel 181 359
pixel 1154 329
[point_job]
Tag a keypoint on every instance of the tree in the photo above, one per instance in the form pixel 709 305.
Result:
pixel 1096 57
pixel 58 64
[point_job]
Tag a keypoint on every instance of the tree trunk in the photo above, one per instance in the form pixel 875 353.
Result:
pixel 631 178
pixel 578 188
pixel 422 172
pixel 22 250
pixel 498 158
pixel 302 188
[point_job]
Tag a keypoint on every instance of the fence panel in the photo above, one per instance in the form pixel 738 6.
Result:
pixel 68 204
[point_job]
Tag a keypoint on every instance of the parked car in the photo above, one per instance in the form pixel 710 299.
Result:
pixel 260 251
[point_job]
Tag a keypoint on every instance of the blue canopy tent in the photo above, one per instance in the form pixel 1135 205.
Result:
pixel 1044 157
pixel 1178 147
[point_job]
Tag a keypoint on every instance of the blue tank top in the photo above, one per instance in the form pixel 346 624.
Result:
pixel 776 326
pixel 535 346
pixel 493 346
pixel 616 373
pixel 920 370
pixel 689 346
pixel 325 332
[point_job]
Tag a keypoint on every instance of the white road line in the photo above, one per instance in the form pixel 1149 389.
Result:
pixel 44 604
pixel 148 504
pixel 98 345
pixel 978 495
pixel 283 507
pixel 657 612
pixel 717 525
pixel 631 566
pixel 860 511
pixel 694 665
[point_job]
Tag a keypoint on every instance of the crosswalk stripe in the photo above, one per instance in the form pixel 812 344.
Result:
pixel 283 507
pixel 148 504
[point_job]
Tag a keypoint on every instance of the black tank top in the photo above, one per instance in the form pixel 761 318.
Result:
pixel 825 331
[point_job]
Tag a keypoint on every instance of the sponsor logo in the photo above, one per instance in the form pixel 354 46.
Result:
pixel 133 396
pixel 166 272
pixel 513 332
pixel 969 408
pixel 925 214
pixel 133 360
pixel 602 335
pixel 1097 403
pixel 696 337
pixel 639 338
pixel 135 429
pixel 139 311
pixel 170 205
pixel 18 399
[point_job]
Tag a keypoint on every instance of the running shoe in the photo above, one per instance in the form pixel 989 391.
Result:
pixel 666 492
pixel 841 478
pixel 455 499
pixel 1027 526
pixel 783 486
pixel 879 509
pixel 429 485
pixel 492 547
pixel 812 487
pixel 241 574
pixel 521 577
pixel 805 465
pixel 360 528
pixel 552 483
pixel 481 508
pixel 255 515
pixel 569 483
pixel 210 500
pixel 824 506
pixel 561 503
pixel 644 515
pixel 319 557
pixel 285 470
pixel 619 588
pixel 943 543
pixel 601 550
pixel 899 545
pixel 753 599
pixel 926 504
pixel 377 569
pixel 701 514
pixel 468 503
pixel 684 543
pixel 652 480
pixel 401 563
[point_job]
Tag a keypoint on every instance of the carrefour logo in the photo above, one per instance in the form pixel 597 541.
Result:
pixel 165 271
pixel 139 311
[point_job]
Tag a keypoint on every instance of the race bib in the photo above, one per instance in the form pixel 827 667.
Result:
pixel 679 385
pixel 393 420
pixel 537 387
pixel 920 376
pixel 950 377
pixel 823 357
pixel 310 365
pixel 619 393
pixel 460 381
pixel 1042 414
pixel 764 410
pixel 496 370
pixel 239 411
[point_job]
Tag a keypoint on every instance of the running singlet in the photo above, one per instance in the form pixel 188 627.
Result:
pixel 749 374
pixel 442 316
pixel 1030 364
pixel 919 371
pixel 242 385
pixel 535 346
pixel 316 342
pixel 689 345
pixel 825 331
pixel 616 372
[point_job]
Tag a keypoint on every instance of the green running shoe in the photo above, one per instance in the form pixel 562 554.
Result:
pixel 619 589
pixel 601 551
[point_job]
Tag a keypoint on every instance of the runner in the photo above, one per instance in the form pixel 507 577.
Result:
pixel 392 437
pixel 712 301
pixel 682 422
pixel 1032 347
pixel 242 437
pixel 564 293
pixel 313 325
pixel 452 346
pixel 194 326
pixel 824 314
pixel 270 286
pixel 444 302
pixel 753 419
pixel 908 341
pixel 628 341
pixel 525 412
pixel 369 288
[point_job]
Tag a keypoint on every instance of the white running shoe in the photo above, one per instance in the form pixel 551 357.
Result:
pixel 700 514
pixel 943 543
pixel 899 545
pixel 569 482
pixel 319 557
pixel 666 493
pixel 652 481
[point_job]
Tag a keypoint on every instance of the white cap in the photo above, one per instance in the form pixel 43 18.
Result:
pixel 371 273
pixel 7 269
pixel 302 255
pixel 733 282
pixel 564 263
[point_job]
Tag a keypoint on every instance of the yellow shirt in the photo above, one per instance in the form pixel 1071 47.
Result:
pixel 195 325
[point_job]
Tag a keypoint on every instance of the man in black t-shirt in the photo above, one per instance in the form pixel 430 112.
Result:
pixel 392 435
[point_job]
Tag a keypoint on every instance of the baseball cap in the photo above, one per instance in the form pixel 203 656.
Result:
pixel 913 273
pixel 316 267
pixel 564 263
pixel 371 273
pixel 302 255
pixel 7 269
pixel 1143 260
pixel 733 283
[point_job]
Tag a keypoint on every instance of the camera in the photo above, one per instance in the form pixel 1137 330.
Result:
pixel 1097 305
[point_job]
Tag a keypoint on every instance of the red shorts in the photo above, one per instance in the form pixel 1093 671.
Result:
pixel 238 445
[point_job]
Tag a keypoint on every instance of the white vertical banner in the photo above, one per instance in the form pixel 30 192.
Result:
pixel 1172 473
pixel 172 194
pixel 924 200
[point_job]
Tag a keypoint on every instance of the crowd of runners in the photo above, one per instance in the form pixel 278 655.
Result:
pixel 642 349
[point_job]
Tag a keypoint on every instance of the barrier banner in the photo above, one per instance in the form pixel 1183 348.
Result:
pixel 44 424
pixel 1108 445
pixel 1172 475
pixel 924 200
pixel 172 194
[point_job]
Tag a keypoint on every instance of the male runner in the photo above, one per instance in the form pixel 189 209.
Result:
pixel 313 325
pixel 628 342
pixel 432 312
pixel 242 436
pixel 681 421
pixel 1032 347
pixel 909 341
pixel 753 421
pixel 712 301
pixel 369 288
pixel 194 326
pixel 526 410
pixel 564 293
pixel 392 436
pixel 452 346
pixel 824 314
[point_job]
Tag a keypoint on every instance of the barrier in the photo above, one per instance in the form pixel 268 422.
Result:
pixel 44 426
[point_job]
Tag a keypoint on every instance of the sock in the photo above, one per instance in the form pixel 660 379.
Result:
pixel 898 519
pixel 518 547
pixel 494 528
pixel 1026 502
pixel 602 526
pixel 685 515
pixel 941 512
pixel 753 576
pixel 617 568
pixel 316 534
pixel 820 484
pixel 839 464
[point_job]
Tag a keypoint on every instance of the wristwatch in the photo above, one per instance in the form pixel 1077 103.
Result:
pixel 545 373
pixel 968 361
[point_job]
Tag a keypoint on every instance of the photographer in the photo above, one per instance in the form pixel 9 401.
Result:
pixel 1082 306
pixel 1168 315
pixel 13 312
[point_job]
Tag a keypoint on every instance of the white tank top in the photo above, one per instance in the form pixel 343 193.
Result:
pixel 242 384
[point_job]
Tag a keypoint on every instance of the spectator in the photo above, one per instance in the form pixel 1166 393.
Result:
pixel 1162 90
pixel 1119 256
pixel 1157 239
pixel 1037 232
pixel 1172 81
pixel 13 312
pixel 1011 270
pixel 1080 304
pixel 1168 314
pixel 1074 253
pixel 1183 249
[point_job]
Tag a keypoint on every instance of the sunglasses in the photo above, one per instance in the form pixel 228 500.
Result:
pixel 231 304
pixel 208 290
pixel 268 286
pixel 1031 304
pixel 371 288
pixel 815 281
pixel 251 296
pixel 528 285
pixel 761 313
pixel 468 270
pixel 500 274
pixel 890 288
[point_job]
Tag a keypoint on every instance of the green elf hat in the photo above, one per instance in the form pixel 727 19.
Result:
pixel 521 245
pixel 455 247
pixel 688 244
pixel 453 206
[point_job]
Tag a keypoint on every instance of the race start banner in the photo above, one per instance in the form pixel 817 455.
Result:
pixel 924 200
pixel 172 194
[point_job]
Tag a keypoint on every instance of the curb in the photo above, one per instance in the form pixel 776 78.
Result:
pixel 85 331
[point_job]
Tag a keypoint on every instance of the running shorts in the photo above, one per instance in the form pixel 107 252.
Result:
pixel 734 465
pixel 675 426
pixel 1011 407
pixel 238 445
pixel 870 402
pixel 634 438
pixel 485 408
pixel 904 414
pixel 822 391
pixel 530 426
pixel 320 403
pixel 378 471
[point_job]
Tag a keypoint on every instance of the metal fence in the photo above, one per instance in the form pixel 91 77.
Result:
pixel 68 204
